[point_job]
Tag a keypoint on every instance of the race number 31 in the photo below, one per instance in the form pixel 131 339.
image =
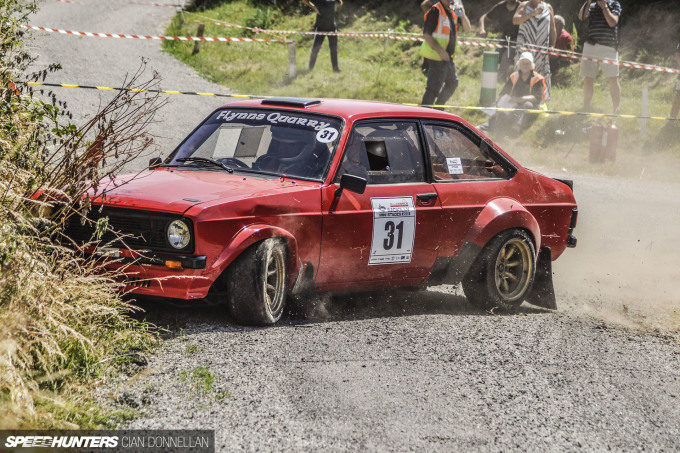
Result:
pixel 394 227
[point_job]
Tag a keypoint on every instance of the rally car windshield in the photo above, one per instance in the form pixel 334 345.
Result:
pixel 291 143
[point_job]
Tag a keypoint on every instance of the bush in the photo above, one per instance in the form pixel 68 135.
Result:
pixel 62 320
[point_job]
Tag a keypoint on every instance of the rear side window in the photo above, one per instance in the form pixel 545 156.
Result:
pixel 455 154
pixel 384 153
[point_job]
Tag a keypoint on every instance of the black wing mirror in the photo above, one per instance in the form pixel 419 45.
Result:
pixel 352 183
pixel 155 163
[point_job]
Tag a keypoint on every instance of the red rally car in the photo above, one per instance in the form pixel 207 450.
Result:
pixel 268 199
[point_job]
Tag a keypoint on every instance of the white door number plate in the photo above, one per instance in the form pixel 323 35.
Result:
pixel 394 229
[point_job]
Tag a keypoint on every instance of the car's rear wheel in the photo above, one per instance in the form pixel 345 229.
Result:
pixel 257 284
pixel 502 275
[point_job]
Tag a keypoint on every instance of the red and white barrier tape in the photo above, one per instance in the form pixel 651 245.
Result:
pixel 323 33
pixel 163 38
pixel 574 56
pixel 130 2
pixel 542 50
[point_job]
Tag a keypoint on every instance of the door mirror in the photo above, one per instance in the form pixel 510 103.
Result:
pixel 155 163
pixel 352 183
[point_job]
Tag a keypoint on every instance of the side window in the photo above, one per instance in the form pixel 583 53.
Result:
pixel 384 153
pixel 455 155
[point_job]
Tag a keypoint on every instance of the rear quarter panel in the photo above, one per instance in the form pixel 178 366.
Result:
pixel 476 211
pixel 551 203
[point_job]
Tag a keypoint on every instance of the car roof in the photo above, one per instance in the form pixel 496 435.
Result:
pixel 350 109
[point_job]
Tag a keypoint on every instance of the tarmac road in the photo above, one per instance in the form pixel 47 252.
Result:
pixel 411 371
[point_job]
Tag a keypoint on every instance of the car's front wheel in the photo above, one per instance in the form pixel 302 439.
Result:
pixel 257 284
pixel 502 275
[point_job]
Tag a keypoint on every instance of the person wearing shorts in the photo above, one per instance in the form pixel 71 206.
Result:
pixel 602 43
pixel 676 100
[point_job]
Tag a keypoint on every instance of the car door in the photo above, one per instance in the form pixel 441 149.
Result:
pixel 467 173
pixel 391 231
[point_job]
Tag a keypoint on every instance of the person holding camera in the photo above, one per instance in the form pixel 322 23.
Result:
pixel 537 32
pixel 501 15
pixel 602 42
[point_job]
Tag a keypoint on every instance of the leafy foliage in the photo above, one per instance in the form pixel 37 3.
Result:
pixel 63 323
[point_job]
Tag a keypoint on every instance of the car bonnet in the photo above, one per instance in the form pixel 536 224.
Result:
pixel 172 191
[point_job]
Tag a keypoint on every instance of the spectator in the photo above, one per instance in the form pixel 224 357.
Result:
pixel 440 33
pixel 325 22
pixel 502 15
pixel 564 42
pixel 602 42
pixel 676 100
pixel 537 31
pixel 457 8
pixel 525 89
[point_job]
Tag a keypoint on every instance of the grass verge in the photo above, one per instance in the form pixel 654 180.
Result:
pixel 389 70
pixel 64 328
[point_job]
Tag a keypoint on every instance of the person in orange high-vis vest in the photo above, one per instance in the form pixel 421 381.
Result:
pixel 440 33
pixel 525 89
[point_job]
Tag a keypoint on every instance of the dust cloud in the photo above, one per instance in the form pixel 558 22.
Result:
pixel 625 267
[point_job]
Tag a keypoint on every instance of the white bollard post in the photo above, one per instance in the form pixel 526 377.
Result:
pixel 645 102
pixel 487 95
pixel 292 64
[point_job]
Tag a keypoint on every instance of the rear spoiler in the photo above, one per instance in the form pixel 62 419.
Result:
pixel 568 182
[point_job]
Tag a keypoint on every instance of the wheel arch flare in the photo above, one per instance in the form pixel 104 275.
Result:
pixel 251 235
pixel 499 215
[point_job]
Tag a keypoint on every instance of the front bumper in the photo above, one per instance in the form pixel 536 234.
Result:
pixel 157 274
pixel 162 282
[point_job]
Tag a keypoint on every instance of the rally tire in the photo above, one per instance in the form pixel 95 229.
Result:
pixel 502 275
pixel 257 284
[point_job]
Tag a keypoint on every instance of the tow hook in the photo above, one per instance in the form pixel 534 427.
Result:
pixel 571 241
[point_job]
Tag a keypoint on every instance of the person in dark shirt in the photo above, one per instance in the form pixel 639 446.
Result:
pixel 602 42
pixel 325 23
pixel 440 33
pixel 501 15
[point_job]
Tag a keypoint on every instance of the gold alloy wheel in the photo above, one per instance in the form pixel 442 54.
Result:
pixel 275 280
pixel 514 267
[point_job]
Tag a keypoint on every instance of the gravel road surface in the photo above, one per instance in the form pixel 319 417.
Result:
pixel 411 371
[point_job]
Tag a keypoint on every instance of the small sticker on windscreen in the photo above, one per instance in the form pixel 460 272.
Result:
pixel 454 165
pixel 327 135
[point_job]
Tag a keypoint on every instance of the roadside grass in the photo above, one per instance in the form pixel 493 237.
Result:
pixel 201 383
pixel 64 327
pixel 389 70
pixel 200 380
pixel 192 349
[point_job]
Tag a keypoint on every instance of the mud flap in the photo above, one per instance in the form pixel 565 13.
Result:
pixel 543 292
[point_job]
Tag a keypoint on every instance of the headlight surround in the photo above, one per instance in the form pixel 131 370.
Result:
pixel 178 234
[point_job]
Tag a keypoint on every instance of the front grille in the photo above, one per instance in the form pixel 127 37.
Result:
pixel 139 229
pixel 138 283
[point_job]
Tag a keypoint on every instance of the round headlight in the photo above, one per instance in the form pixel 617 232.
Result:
pixel 178 234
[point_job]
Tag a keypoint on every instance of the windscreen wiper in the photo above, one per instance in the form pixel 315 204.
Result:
pixel 207 161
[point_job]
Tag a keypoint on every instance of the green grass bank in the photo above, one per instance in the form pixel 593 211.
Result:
pixel 390 70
